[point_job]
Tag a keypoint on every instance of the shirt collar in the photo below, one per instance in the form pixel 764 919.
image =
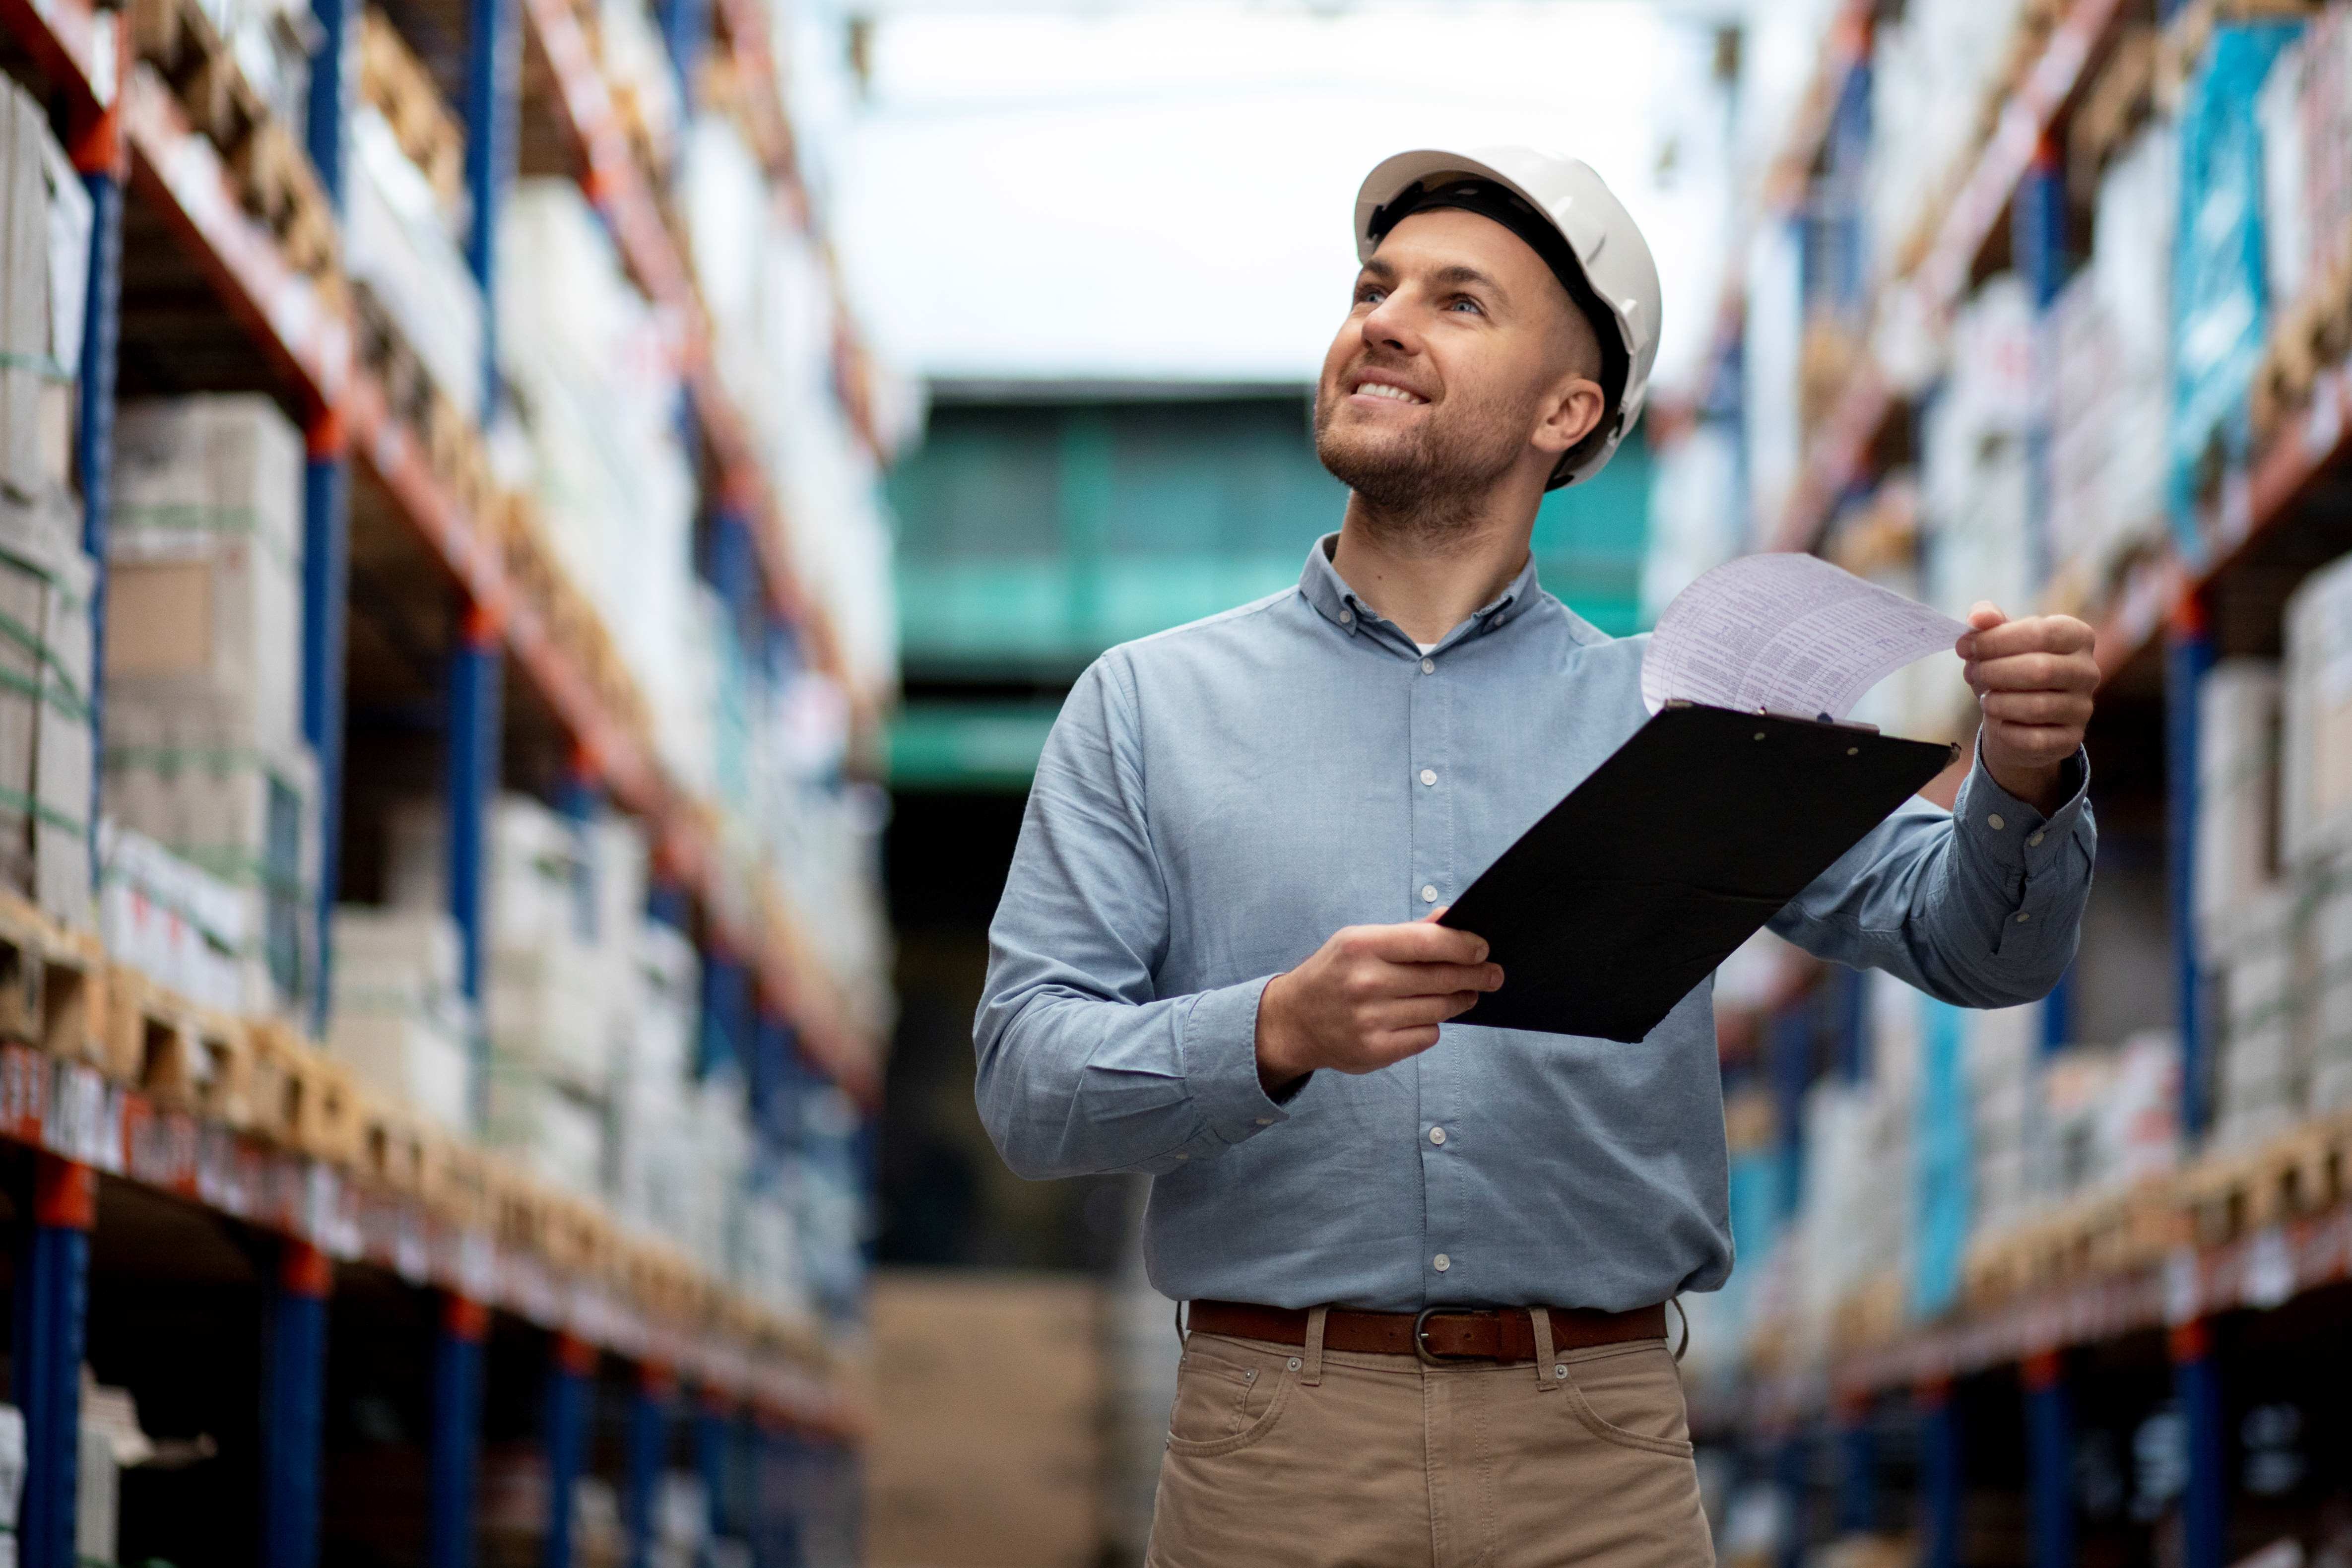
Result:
pixel 1323 587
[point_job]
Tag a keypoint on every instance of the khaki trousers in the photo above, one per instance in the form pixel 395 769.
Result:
pixel 1290 1457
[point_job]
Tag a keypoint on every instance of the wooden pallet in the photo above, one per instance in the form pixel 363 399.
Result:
pixel 2305 1171
pixel 52 984
pixel 456 1181
pixel 399 87
pixel 182 1056
pixel 265 158
pixel 391 1145
pixel 303 1100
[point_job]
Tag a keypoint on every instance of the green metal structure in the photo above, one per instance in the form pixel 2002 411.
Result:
pixel 1040 526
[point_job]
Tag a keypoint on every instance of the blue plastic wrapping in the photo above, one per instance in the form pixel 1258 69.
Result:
pixel 1942 1197
pixel 2220 304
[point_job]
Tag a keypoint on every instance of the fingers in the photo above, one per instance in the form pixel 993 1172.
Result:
pixel 2035 634
pixel 1407 1013
pixel 2062 708
pixel 2035 672
pixel 1420 942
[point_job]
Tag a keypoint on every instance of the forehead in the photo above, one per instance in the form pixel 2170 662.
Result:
pixel 1449 237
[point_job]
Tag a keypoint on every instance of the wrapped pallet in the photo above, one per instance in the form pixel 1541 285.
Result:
pixel 45 229
pixel 174 922
pixel 2237 793
pixel 45 718
pixel 400 1021
pixel 2261 1078
pixel 2316 719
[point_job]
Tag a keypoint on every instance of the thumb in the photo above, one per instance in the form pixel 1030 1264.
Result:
pixel 1983 617
pixel 1436 915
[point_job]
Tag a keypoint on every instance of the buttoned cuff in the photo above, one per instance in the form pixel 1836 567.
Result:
pixel 1221 1068
pixel 2034 859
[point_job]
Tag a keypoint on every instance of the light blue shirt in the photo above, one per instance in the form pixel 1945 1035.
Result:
pixel 1215 801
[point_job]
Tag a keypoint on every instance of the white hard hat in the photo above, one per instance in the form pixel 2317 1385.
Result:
pixel 1606 267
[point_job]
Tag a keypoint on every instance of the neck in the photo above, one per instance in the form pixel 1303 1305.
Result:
pixel 1429 581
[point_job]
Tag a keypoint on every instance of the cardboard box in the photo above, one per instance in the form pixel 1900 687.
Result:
pixel 989 1405
pixel 2317 718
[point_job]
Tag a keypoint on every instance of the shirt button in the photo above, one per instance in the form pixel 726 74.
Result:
pixel 1441 1263
pixel 1429 666
pixel 2022 917
pixel 1180 1154
pixel 1347 618
pixel 1437 1135
pixel 1429 775
pixel 1429 892
pixel 2034 841
pixel 1265 1121
pixel 1994 822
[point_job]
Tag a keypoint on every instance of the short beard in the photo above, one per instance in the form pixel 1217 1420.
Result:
pixel 1430 491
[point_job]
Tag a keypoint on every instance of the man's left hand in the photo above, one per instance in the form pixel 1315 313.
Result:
pixel 2033 680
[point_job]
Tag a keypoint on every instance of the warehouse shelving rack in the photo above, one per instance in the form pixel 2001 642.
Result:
pixel 2161 1283
pixel 328 1217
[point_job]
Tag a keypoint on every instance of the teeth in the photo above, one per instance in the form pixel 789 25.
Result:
pixel 1380 389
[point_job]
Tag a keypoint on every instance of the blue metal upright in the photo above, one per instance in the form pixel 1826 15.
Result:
pixel 97 155
pixel 2038 245
pixel 685 27
pixel 2189 655
pixel 491 110
pixel 1792 1468
pixel 2049 1460
pixel 293 1406
pixel 477 666
pixel 326 601
pixel 2204 1504
pixel 649 1456
pixel 710 1424
pixel 571 1391
pixel 1857 1456
pixel 1942 1487
pixel 456 1436
pixel 52 1300
pixel 726 1009
pixel 334 69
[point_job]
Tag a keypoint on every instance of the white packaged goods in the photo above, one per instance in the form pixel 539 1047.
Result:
pixel 249 819
pixel 12 1478
pixel 669 1007
pixel 2262 1079
pixel 535 876
pixel 1974 485
pixel 2111 1116
pixel 2316 796
pixel 2328 1001
pixel 45 229
pixel 399 250
pixel 2237 792
pixel 2286 217
pixel 545 1007
pixel 595 373
pixel 179 925
pixel 400 1021
pixel 204 570
pixel 97 1495
pixel 553 1131
pixel 45 720
pixel 1930 73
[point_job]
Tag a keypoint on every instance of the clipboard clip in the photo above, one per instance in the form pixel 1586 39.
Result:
pixel 1824 721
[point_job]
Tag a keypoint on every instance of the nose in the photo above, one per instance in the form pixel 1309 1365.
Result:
pixel 1393 324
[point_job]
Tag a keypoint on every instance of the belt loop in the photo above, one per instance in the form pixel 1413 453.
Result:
pixel 1540 1318
pixel 1313 1372
pixel 1181 1335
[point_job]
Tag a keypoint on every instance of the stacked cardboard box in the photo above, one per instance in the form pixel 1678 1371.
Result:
pixel 45 718
pixel 174 922
pixel 204 744
pixel 987 1461
pixel 401 251
pixel 401 1020
pixel 45 579
pixel 653 1142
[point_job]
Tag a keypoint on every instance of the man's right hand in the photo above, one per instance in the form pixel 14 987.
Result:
pixel 1370 996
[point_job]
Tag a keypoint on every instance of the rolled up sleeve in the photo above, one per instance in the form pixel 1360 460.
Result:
pixel 1084 1068
pixel 1980 907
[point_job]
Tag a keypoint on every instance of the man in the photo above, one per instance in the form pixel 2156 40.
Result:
pixel 1427 1265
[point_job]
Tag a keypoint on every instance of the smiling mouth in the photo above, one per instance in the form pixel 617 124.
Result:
pixel 1383 391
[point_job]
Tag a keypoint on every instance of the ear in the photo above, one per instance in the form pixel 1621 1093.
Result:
pixel 1569 414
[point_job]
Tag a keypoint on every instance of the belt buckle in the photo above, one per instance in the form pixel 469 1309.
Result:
pixel 1420 1343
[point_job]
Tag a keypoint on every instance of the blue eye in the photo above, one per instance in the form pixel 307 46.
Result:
pixel 1467 305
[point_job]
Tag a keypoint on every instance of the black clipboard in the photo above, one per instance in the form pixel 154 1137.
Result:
pixel 1676 850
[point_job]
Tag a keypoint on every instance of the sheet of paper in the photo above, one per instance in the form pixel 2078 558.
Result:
pixel 1789 634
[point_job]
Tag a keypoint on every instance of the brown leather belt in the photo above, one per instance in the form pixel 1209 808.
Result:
pixel 1502 1335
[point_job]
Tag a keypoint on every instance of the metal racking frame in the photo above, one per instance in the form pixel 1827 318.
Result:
pixel 127 134
pixel 2158 612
